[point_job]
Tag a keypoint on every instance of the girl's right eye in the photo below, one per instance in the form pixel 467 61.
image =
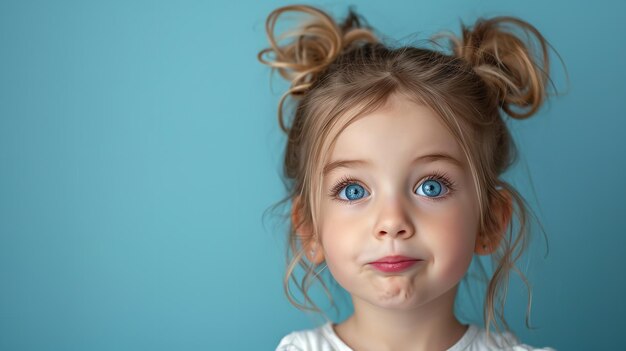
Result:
pixel 353 192
pixel 348 189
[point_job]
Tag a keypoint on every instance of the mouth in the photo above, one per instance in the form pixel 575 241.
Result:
pixel 396 259
pixel 395 263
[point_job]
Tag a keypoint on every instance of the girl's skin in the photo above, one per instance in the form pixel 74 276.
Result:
pixel 392 212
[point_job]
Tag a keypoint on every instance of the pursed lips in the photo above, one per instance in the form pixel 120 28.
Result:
pixel 396 259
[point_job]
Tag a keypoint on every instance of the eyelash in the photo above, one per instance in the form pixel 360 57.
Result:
pixel 439 176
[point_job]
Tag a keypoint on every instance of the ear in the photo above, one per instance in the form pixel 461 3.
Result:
pixel 312 248
pixel 488 242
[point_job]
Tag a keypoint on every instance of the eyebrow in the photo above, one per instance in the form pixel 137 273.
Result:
pixel 420 159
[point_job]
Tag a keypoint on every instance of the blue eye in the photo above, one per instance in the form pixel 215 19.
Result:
pixel 353 192
pixel 430 188
pixel 437 186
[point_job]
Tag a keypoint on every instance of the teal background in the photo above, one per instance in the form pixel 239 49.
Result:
pixel 139 151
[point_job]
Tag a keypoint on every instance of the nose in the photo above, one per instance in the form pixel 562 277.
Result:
pixel 394 221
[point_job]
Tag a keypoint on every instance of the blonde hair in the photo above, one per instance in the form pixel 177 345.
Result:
pixel 340 71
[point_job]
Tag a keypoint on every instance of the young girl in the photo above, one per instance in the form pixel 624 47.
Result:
pixel 393 162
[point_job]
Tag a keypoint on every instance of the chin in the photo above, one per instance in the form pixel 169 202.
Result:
pixel 399 305
pixel 396 297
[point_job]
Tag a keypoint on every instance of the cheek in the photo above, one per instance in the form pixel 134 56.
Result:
pixel 339 254
pixel 452 242
pixel 340 239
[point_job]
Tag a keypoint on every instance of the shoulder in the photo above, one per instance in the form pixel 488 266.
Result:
pixel 500 341
pixel 319 339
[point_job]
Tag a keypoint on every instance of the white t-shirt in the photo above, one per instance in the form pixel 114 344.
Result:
pixel 324 338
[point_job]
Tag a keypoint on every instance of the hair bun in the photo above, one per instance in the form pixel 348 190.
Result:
pixel 506 63
pixel 316 44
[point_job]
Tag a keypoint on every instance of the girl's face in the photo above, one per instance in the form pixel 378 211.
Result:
pixel 404 197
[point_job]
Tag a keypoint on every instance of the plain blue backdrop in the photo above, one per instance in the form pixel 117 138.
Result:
pixel 139 151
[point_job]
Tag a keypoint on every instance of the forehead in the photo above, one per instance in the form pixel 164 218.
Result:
pixel 399 130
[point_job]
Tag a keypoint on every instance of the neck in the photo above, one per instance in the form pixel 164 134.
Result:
pixel 432 326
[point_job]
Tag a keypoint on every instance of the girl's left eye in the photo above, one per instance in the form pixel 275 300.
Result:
pixel 434 185
pixel 431 188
